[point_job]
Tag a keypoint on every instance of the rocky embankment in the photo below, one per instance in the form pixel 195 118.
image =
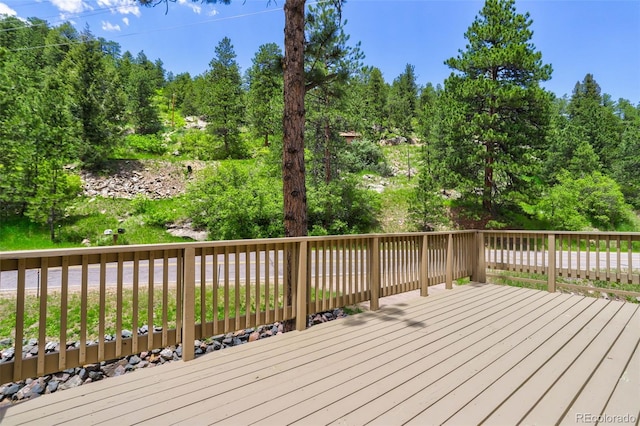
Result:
pixel 140 178
pixel 11 393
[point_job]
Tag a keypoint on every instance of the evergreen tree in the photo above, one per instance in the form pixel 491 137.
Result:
pixel 590 110
pixel 98 101
pixel 403 98
pixel 141 86
pixel 500 113
pixel 330 61
pixel 264 104
pixel 224 105
pixel 627 161
pixel 376 95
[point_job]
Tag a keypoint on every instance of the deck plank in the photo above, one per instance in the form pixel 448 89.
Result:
pixel 329 388
pixel 528 394
pixel 554 404
pixel 475 353
pixel 493 350
pixel 328 366
pixel 478 404
pixel 389 387
pixel 625 397
pixel 596 393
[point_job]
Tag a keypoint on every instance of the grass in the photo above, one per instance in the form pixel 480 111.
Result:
pixel 54 311
pixel 143 222
pixel 593 288
pixel 21 234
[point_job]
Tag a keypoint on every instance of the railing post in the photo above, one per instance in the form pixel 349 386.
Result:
pixel 449 271
pixel 189 305
pixel 302 297
pixel 424 266
pixel 374 274
pixel 479 264
pixel 551 264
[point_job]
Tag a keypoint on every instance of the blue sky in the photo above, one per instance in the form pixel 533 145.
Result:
pixel 576 37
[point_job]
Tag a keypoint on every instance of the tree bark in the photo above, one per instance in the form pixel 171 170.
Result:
pixel 487 193
pixel 293 169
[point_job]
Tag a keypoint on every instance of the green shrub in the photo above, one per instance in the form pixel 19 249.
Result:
pixel 150 144
pixel 232 202
pixel 342 207
pixel 594 200
pixel 363 155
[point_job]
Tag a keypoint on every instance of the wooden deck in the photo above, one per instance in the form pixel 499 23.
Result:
pixel 478 353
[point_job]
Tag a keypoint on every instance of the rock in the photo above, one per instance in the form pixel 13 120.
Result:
pixel 126 334
pixel 83 374
pixel 52 386
pixel 8 354
pixel 254 336
pixel 166 354
pixel 73 382
pixel 10 389
pixel 92 367
pixel 134 359
pixel 95 376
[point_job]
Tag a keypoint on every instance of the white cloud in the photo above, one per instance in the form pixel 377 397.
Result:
pixel 193 6
pixel 126 21
pixel 212 12
pixel 71 6
pixel 108 26
pixel 124 7
pixel 6 10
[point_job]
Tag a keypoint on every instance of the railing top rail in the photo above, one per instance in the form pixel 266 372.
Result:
pixel 26 254
pixel 585 233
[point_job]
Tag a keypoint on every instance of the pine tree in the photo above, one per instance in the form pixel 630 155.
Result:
pixel 223 105
pixel 403 99
pixel 264 106
pixel 499 111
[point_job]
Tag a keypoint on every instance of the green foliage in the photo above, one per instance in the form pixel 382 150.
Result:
pixel 55 190
pixel 403 100
pixel 98 98
pixel 600 127
pixel 576 204
pixel 141 85
pixel 264 98
pixel 363 155
pixel 151 144
pixel 232 202
pixel 20 233
pixel 342 207
pixel 427 208
pixel 223 104
pixel 627 163
pixel 498 114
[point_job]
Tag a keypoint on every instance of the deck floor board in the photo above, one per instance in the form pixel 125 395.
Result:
pixel 480 352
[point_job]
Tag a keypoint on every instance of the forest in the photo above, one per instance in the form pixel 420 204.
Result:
pixel 487 148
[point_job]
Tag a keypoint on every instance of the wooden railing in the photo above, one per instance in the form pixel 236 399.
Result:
pixel 135 298
pixel 570 260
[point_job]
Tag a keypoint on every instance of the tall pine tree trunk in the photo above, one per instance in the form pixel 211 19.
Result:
pixel 293 170
pixel 487 192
